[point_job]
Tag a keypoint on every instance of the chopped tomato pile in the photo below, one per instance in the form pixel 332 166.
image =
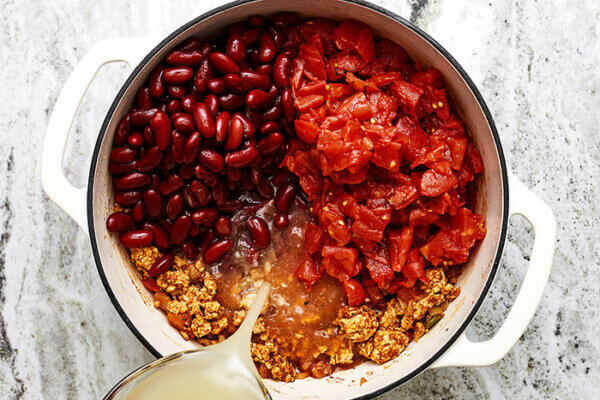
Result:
pixel 384 162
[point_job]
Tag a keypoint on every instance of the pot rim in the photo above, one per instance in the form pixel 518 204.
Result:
pixel 421 33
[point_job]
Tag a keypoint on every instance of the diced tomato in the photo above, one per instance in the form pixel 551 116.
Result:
pixel 355 293
pixel 306 131
pixel 414 269
pixel 413 138
pixel 340 262
pixel 470 225
pixel 434 184
pixel 353 35
pixel 378 264
pixel 368 224
pixel 430 77
pixel 445 247
pixel 332 221
pixel 474 158
pixel 341 63
pixel 398 245
pixel 308 272
pixel 313 62
pixel 407 94
pixel 313 238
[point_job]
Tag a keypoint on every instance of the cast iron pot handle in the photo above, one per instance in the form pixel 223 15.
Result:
pixel 68 197
pixel 464 352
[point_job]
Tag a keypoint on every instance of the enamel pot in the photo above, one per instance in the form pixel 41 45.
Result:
pixel 500 195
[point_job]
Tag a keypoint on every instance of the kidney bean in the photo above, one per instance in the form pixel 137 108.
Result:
pixel 137 211
pixel 281 70
pixel 257 98
pixel 256 20
pixel 173 184
pixel 249 126
pixel 236 84
pixel 205 175
pixel 286 18
pixel 204 120
pixel 166 225
pixel 264 188
pixel 189 197
pixel 223 226
pixel 168 162
pixel 215 251
pixel 222 126
pixel 201 192
pixel 150 284
pixel 270 144
pixel 284 196
pixel 161 127
pixel 161 265
pixel 231 101
pixel 267 48
pixel 251 36
pixel 173 107
pixel 174 206
pixel 256 79
pixel 245 182
pixel 220 192
pixel 287 102
pixel 187 103
pixel 143 99
pixel 265 69
pixel 150 160
pixel 177 75
pixel 190 44
pixel 177 91
pixel 211 159
pixel 236 133
pixel 152 203
pixel 205 216
pixel 177 146
pixel 216 85
pixel 184 123
pixel 133 180
pixel 128 198
pixel 156 88
pixel 191 251
pixel 236 48
pixel 136 238
pixel 230 206
pixel 119 222
pixel 122 130
pixel 188 58
pixel 204 73
pixel 181 229
pixel 123 154
pixel 280 175
pixel 273 113
pixel 255 175
pixel 223 63
pixel 281 221
pixel 241 158
pixel 136 140
pixel 118 169
pixel 148 136
pixel 233 174
pixel 212 102
pixel 192 144
pixel 186 171
pixel 259 231
pixel 160 236
pixel 268 127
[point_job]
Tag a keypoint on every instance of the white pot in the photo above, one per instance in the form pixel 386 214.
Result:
pixel 446 344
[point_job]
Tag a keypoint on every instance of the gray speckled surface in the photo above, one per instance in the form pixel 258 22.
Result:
pixel 536 64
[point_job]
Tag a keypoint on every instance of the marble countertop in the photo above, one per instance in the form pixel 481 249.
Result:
pixel 536 64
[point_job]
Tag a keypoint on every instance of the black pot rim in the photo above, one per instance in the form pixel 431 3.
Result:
pixel 423 35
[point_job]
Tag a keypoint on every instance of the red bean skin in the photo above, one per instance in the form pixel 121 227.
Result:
pixel 161 265
pixel 212 102
pixel 212 160
pixel 181 229
pixel 190 250
pixel 204 73
pixel 281 70
pixel 137 211
pixel 174 206
pixel 215 251
pixel 177 75
pixel 190 44
pixel 223 63
pixel 282 221
pixel 268 127
pixel 222 126
pixel 236 48
pixel 216 85
pixel 204 120
pixel 256 79
pixel 152 203
pixel 133 180
pixel 241 158
pixel 189 197
pixel 192 144
pixel 173 184
pixel 119 222
pixel 122 131
pixel 161 127
pixel 150 160
pixel 136 140
pixel 184 123
pixel 143 99
pixel 123 154
pixel 264 188
pixel 223 226
pixel 267 49
pixel 259 231
pixel 251 36
pixel 257 98
pixel 200 193
pixel 156 88
pixel 287 102
pixel 128 198
pixel 284 196
pixel 178 146
pixel 220 192
pixel 231 101
pixel 118 169
pixel 236 134
pixel 230 206
pixel 256 20
pixel 205 175
pixel 187 103
pixel 136 238
pixel 173 107
pixel 265 69
pixel 187 58
pixel 160 236
pixel 270 144
pixel 273 113
pixel 186 171
pixel 236 84
pixel 205 216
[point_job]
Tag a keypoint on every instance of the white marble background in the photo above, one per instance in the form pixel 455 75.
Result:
pixel 536 64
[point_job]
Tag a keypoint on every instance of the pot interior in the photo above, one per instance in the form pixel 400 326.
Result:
pixel 135 303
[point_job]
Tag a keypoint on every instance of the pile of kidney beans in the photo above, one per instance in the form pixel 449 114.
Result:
pixel 311 111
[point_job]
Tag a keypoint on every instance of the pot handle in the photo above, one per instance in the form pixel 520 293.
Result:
pixel 465 353
pixel 68 197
